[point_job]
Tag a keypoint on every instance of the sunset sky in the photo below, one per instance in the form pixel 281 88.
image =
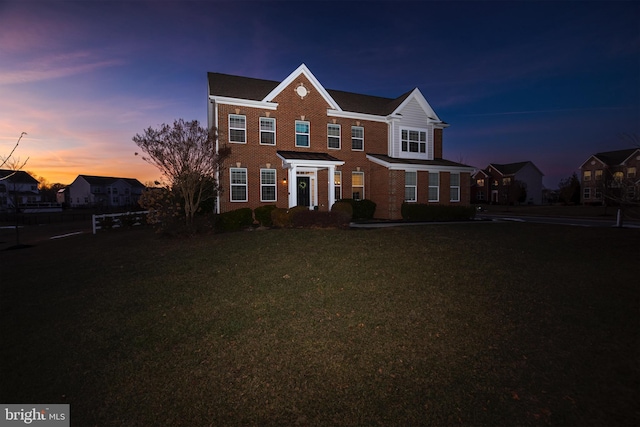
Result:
pixel 550 82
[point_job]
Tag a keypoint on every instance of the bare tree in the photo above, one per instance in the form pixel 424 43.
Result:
pixel 12 162
pixel 186 155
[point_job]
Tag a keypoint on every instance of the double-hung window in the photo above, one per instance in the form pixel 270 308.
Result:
pixel 267 131
pixel 357 185
pixel 337 184
pixel 238 184
pixel 586 176
pixel 333 136
pixel 237 128
pixel 302 133
pixel 414 141
pixel 268 185
pixel 454 187
pixel 434 186
pixel 410 186
pixel 357 138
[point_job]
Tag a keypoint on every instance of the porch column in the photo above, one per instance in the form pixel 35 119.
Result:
pixel 293 195
pixel 332 186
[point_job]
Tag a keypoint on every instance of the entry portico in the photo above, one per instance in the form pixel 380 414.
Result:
pixel 302 176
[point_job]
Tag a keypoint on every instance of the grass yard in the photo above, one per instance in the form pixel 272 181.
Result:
pixel 468 324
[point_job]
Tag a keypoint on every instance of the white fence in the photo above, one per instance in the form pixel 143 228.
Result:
pixel 118 220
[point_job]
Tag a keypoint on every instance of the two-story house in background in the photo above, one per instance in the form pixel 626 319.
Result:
pixel 611 177
pixel 17 187
pixel 102 191
pixel 295 143
pixel 507 184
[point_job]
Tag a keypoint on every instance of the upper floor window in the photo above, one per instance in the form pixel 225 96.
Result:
pixel 586 176
pixel 410 186
pixel 267 131
pixel 480 182
pixel 454 187
pixel 333 136
pixel 302 133
pixel 434 186
pixel 268 185
pixel 598 174
pixel 414 141
pixel 357 185
pixel 237 128
pixel 357 138
pixel 631 172
pixel 506 181
pixel 238 184
pixel 618 176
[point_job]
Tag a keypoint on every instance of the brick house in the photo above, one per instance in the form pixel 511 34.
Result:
pixel 502 184
pixel 295 143
pixel 611 176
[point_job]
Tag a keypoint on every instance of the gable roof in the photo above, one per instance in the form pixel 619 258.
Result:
pixel 249 88
pixel 510 168
pixel 17 176
pixel 100 181
pixel 614 158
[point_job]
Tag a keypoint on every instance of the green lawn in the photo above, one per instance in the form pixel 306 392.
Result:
pixel 469 324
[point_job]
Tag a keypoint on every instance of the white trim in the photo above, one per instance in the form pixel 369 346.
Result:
pixel 422 101
pixel 361 116
pixel 266 131
pixel 308 134
pixel 230 128
pixel 291 78
pixel 239 102
pixel 411 167
pixel 274 185
pixel 339 147
pixel 246 185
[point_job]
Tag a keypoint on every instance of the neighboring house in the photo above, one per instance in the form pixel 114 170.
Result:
pixel 505 183
pixel 102 191
pixel 296 143
pixel 611 177
pixel 17 187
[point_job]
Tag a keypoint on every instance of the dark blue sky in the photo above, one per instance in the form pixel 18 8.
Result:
pixel 550 82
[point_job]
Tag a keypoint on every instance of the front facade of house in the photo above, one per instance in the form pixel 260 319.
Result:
pixel 101 191
pixel 17 187
pixel 505 183
pixel 611 177
pixel 295 143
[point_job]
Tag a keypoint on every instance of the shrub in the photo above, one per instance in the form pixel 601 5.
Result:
pixel 235 220
pixel 424 212
pixel 362 209
pixel 165 211
pixel 344 207
pixel 316 219
pixel 282 218
pixel 263 215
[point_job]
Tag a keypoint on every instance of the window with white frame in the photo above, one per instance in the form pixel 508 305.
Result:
pixel 598 174
pixel 598 193
pixel 238 181
pixel 302 133
pixel 410 186
pixel 434 186
pixel 587 193
pixel 237 129
pixel 268 185
pixel 357 185
pixel 337 184
pixel 454 187
pixel 586 176
pixel 333 136
pixel 267 131
pixel 414 141
pixel 357 138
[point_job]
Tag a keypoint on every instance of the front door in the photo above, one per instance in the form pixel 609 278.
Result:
pixel 303 191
